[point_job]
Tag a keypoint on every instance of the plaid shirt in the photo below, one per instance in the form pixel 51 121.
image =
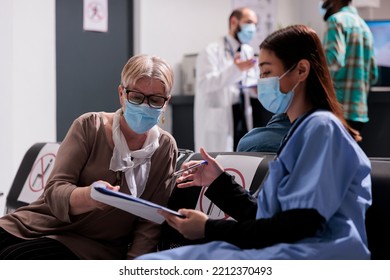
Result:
pixel 349 50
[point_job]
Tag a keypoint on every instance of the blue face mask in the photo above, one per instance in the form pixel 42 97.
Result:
pixel 246 33
pixel 321 9
pixel 141 118
pixel 270 96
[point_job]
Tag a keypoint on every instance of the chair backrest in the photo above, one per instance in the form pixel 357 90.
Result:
pixel 378 214
pixel 32 175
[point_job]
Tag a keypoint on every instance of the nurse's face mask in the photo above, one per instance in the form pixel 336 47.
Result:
pixel 270 96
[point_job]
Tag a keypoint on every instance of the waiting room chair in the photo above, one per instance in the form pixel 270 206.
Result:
pixel 378 214
pixel 32 175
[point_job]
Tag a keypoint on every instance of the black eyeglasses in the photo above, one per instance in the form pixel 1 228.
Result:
pixel 137 98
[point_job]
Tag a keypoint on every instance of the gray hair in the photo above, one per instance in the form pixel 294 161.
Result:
pixel 147 66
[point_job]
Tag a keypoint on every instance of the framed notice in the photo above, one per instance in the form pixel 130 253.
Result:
pixel 266 11
pixel 95 16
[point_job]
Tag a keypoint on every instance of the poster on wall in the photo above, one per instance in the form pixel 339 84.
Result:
pixel 266 11
pixel 95 16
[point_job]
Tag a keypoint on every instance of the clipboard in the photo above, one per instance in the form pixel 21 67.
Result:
pixel 134 205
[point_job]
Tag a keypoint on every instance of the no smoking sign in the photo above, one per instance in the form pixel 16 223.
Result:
pixel 95 15
pixel 40 172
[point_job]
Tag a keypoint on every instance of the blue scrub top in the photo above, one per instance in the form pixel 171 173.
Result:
pixel 322 167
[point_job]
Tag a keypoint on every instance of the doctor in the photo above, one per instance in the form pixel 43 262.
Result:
pixel 225 78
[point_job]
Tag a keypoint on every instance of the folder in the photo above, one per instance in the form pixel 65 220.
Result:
pixel 134 205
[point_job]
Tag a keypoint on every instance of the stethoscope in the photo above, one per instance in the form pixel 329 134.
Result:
pixel 229 49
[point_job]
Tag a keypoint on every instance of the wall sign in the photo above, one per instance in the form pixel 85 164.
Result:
pixel 243 168
pixel 95 15
pixel 266 11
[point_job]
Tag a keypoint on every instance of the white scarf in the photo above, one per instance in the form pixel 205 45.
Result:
pixel 135 164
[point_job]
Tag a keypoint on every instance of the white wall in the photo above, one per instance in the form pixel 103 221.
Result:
pixel 301 12
pixel 6 158
pixel 171 28
pixel 383 12
pixel 27 81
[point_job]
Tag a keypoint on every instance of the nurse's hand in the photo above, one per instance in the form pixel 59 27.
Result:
pixel 200 176
pixel 191 227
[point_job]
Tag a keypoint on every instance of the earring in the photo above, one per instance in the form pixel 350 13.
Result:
pixel 163 117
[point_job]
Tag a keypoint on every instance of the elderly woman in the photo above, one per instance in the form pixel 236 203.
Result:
pixel 124 150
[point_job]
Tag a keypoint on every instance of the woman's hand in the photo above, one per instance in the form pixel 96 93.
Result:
pixel 81 201
pixel 191 227
pixel 200 176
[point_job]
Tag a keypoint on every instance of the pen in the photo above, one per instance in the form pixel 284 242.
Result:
pixel 191 167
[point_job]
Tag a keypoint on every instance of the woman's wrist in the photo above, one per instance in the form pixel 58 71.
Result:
pixel 80 201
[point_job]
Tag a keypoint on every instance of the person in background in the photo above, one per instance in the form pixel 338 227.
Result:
pixel 124 150
pixel 313 202
pixel 268 138
pixel 225 78
pixel 349 51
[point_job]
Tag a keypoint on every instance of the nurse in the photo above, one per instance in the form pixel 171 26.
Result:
pixel 313 202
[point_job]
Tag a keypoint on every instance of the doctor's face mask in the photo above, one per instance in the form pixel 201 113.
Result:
pixel 246 32
pixel 270 96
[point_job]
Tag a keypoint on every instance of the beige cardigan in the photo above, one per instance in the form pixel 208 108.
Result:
pixel 84 157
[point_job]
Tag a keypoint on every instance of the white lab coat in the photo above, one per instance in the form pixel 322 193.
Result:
pixel 217 89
